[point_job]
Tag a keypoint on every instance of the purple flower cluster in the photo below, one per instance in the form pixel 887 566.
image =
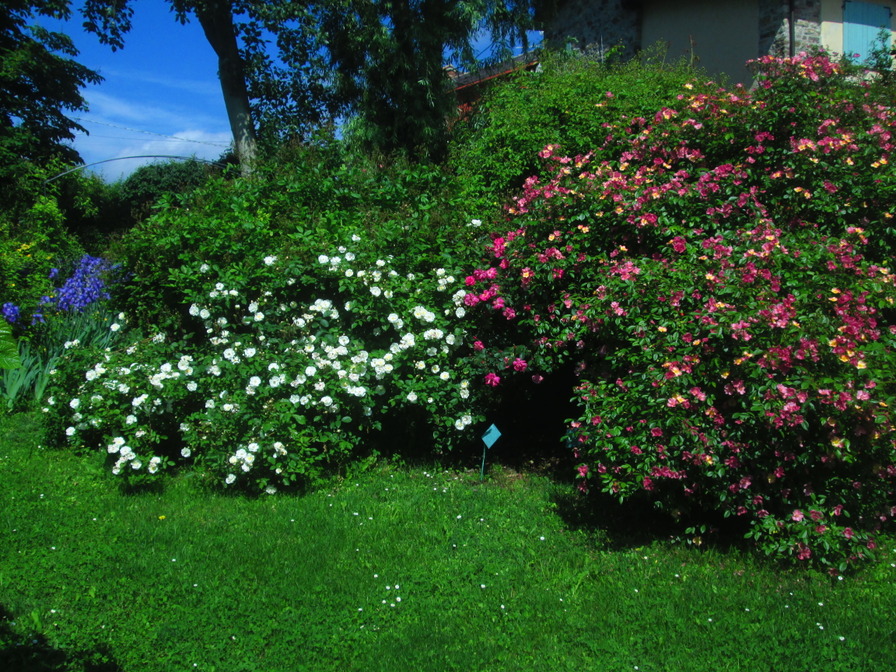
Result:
pixel 85 286
pixel 10 312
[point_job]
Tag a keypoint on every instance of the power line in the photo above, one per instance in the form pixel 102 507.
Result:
pixel 161 135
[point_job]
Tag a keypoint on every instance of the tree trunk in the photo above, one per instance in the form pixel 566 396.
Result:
pixel 216 19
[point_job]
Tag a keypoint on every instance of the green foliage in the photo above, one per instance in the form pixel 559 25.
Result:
pixel 718 275
pixel 9 356
pixel 24 386
pixel 34 238
pixel 147 185
pixel 39 83
pixel 566 101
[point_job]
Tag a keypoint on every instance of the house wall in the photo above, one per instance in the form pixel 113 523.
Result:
pixel 721 36
pixel 596 25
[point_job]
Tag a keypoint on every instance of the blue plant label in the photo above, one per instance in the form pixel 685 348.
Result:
pixel 491 435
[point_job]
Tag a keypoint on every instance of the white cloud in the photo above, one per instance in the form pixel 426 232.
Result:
pixel 113 151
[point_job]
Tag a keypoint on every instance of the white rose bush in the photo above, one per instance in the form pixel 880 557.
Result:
pixel 279 379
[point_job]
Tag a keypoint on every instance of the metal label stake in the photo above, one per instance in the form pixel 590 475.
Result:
pixel 491 435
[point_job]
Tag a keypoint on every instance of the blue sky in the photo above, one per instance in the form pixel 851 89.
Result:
pixel 160 94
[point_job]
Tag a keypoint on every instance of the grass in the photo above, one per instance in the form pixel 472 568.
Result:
pixel 398 569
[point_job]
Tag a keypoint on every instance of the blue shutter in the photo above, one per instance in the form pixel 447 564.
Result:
pixel 862 23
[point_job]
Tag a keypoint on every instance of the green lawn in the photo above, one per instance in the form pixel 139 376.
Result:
pixel 397 569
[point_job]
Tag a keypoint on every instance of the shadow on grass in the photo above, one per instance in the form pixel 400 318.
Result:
pixel 638 522
pixel 32 653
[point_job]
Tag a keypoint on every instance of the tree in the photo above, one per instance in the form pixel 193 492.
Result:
pixel 295 65
pixel 39 83
pixel 387 62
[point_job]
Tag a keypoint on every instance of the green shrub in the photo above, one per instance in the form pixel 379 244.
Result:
pixel 278 322
pixel 143 189
pixel 567 101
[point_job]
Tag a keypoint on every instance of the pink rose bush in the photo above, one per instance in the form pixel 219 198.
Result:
pixel 718 276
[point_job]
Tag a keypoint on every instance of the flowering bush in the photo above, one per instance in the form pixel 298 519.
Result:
pixel 282 378
pixel 717 275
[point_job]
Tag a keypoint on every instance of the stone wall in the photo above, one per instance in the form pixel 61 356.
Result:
pixel 774 26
